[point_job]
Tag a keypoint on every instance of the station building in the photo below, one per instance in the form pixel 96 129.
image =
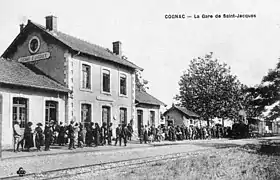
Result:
pixel 50 75
pixel 148 109
pixel 27 97
pixel 177 115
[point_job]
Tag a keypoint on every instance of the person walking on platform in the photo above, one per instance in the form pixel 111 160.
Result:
pixel 89 134
pixel 61 135
pixel 97 134
pixel 71 135
pixel 39 136
pixel 28 136
pixel 130 131
pixel 48 136
pixel 110 133
pixel 81 136
pixel 124 134
pixel 18 137
pixel 141 134
pixel 103 133
pixel 146 136
pixel 118 135
pixel 76 134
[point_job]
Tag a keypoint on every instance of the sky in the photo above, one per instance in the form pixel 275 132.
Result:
pixel 163 47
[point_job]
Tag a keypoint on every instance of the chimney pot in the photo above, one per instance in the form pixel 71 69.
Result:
pixel 51 23
pixel 21 26
pixel 117 48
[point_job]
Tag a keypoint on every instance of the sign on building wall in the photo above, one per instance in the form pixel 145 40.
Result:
pixel 36 57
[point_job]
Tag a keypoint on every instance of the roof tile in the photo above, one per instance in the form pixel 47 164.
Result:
pixel 14 73
pixel 87 47
pixel 144 97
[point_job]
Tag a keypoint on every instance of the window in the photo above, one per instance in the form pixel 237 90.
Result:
pixel 86 77
pixel 106 80
pixel 191 121
pixel 50 111
pixel 269 124
pixel 20 111
pixel 106 114
pixel 123 115
pixel 85 114
pixel 152 117
pixel 123 84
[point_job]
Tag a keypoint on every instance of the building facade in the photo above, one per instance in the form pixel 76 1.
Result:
pixel 101 82
pixel 148 110
pixel 181 116
pixel 28 97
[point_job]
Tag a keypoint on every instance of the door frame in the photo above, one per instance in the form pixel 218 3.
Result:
pixel 141 120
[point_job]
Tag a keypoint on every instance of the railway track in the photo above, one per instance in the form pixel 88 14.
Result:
pixel 74 171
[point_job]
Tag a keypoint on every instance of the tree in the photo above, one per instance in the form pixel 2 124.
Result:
pixel 141 84
pixel 252 101
pixel 209 89
pixel 268 93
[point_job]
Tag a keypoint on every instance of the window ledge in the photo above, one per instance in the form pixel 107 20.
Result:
pixel 84 89
pixel 101 98
pixel 107 93
pixel 122 95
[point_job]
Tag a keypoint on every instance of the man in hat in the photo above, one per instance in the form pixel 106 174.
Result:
pixel 71 135
pixel 18 137
pixel 48 135
pixel 118 135
pixel 39 136
pixel 110 133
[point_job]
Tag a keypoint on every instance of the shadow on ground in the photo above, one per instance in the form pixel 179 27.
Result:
pixel 264 146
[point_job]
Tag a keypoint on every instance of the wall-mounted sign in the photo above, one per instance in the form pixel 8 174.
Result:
pixel 36 57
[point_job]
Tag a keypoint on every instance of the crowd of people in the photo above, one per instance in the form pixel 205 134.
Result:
pixel 172 133
pixel 92 135
pixel 74 135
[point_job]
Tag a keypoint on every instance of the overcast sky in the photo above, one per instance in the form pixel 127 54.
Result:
pixel 163 47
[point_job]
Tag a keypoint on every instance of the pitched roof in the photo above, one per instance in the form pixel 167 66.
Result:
pixel 146 98
pixel 183 110
pixel 14 73
pixel 85 47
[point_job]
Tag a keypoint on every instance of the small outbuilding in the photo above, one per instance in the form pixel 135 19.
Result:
pixel 178 116
pixel 148 109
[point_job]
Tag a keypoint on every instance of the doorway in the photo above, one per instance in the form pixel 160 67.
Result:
pixel 106 115
pixel 139 120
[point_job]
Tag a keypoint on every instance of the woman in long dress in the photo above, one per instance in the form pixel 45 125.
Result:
pixel 97 134
pixel 28 136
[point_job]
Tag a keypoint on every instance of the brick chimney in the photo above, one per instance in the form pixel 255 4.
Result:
pixel 21 26
pixel 51 23
pixel 117 48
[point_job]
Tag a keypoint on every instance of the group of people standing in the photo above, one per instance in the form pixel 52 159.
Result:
pixel 42 137
pixel 74 134
pixel 172 133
